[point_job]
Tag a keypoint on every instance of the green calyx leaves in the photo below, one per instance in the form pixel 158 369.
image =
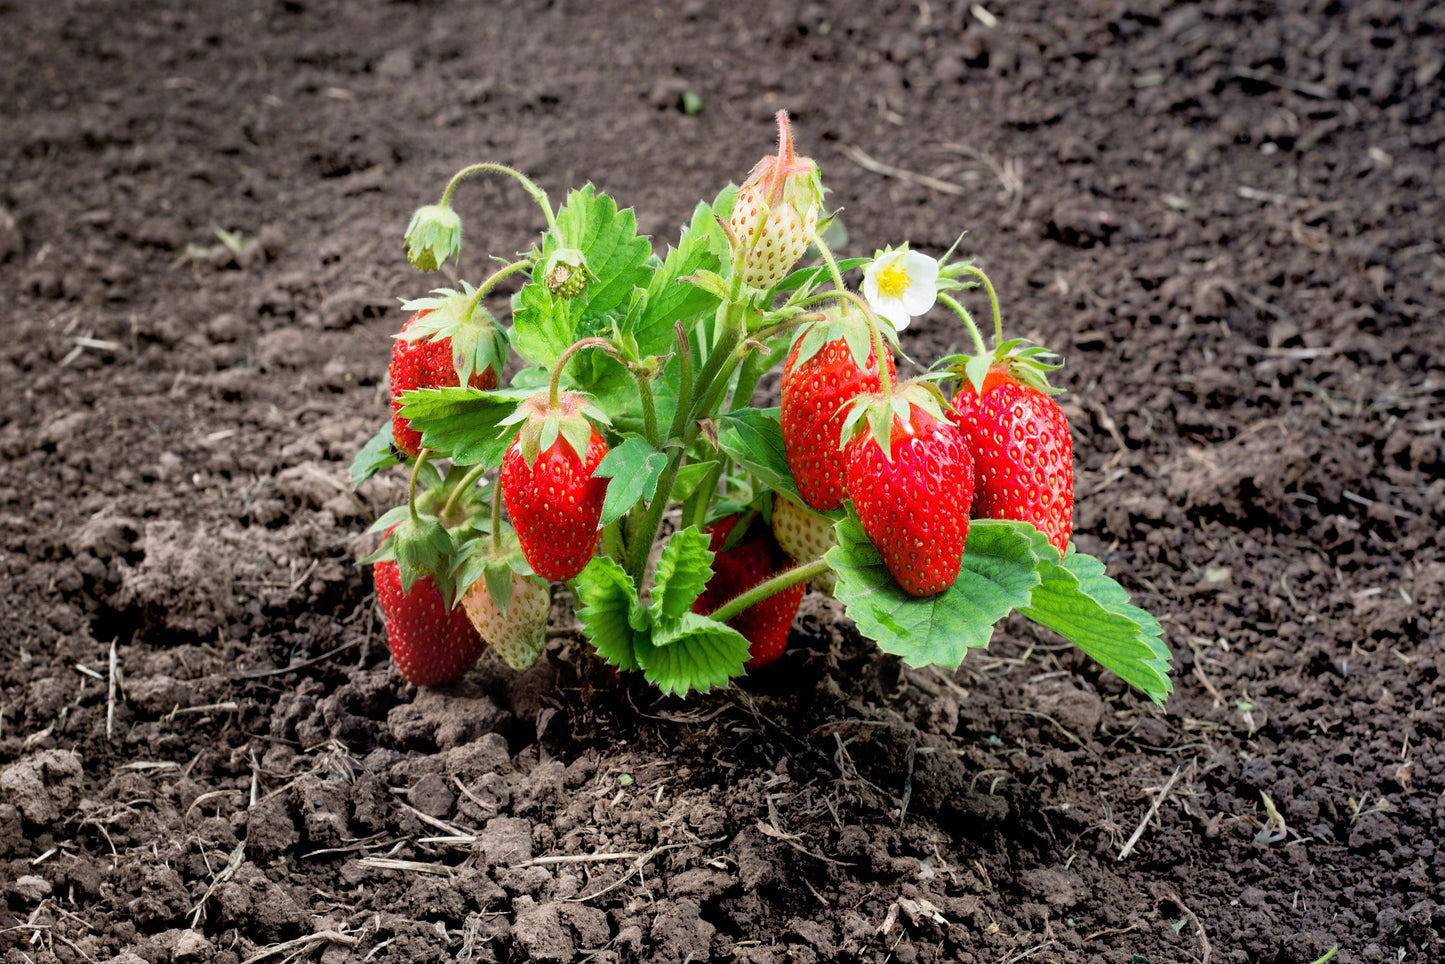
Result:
pixel 883 410
pixel 1025 363
pixel 1006 566
pixel 433 237
pixel 477 341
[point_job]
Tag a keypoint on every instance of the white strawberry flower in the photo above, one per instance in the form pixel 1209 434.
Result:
pixel 901 285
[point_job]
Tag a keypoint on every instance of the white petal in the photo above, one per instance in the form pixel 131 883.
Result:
pixel 918 299
pixel 893 310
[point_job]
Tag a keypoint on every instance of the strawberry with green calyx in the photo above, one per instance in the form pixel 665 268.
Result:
pixel 746 555
pixel 505 601
pixel 433 237
pixel 566 273
pixel 553 497
pixel 804 535
pixel 775 216
pixel 431 644
pixel 831 363
pixel 449 341
pixel 910 477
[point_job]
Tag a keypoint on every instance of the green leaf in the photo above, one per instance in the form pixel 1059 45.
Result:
pixel 609 610
pixel 694 653
pixel 634 468
pixel 667 299
pixel 682 571
pixel 375 455
pixel 997 574
pixel 462 423
pixel 689 477
pixel 806 277
pixel 1080 602
pixel 754 438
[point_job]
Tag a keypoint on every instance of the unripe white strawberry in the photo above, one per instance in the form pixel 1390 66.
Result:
pixel 775 216
pixel 519 634
pixel 805 536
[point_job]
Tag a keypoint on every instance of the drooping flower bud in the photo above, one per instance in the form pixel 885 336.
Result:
pixel 434 235
pixel 776 214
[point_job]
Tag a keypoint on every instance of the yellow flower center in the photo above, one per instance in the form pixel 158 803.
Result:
pixel 893 280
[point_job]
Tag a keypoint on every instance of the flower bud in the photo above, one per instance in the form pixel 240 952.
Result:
pixel 434 235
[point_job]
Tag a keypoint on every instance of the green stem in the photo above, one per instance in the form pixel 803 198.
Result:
pixel 421 459
pixel 467 482
pixel 684 390
pixel 497 518
pixel 968 322
pixel 647 532
pixel 491 283
pixel 832 262
pixel 769 587
pixel 572 349
pixel 539 195
pixel 993 302
pixel 793 322
pixel 649 407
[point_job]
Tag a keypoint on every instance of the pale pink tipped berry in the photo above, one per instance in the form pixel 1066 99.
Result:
pixel 775 216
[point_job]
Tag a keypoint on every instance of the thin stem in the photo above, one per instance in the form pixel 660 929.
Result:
pixel 567 356
pixel 993 302
pixel 466 483
pixel 769 587
pixel 647 531
pixel 684 390
pixel 649 408
pixel 491 283
pixel 968 322
pixel 793 322
pixel 497 518
pixel 539 195
pixel 832 262
pixel 421 459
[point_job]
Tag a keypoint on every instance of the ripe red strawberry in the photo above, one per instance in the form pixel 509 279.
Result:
pixel 913 502
pixel 776 213
pixel 754 559
pixel 1022 453
pixel 820 378
pixel 432 351
pixel 805 536
pixel 519 634
pixel 552 496
pixel 432 645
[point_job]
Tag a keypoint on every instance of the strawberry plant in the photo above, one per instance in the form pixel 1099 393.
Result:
pixel 635 465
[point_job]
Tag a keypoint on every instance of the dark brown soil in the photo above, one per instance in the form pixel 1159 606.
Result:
pixel 1230 218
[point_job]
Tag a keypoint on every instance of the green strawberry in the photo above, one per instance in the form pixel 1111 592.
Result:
pixel 517 632
pixel 775 216
pixel 805 536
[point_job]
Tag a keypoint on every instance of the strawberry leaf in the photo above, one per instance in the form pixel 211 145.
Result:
pixel 754 438
pixel 682 571
pixel 667 299
pixel 807 277
pixel 634 468
pixel 998 573
pixel 1080 602
pixel 375 455
pixel 692 653
pixel 464 424
pixel 610 612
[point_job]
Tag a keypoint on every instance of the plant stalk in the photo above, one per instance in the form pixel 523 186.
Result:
pixel 769 587
pixel 538 195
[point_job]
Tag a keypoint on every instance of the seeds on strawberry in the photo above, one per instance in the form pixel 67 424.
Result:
pixel 431 645
pixel 519 634
pixel 424 362
pixel 775 216
pixel 1023 455
pixel 913 501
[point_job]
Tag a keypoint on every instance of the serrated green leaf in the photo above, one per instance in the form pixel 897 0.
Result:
pixel 683 570
pixel 1078 600
pixel 694 653
pixel 375 455
pixel 634 468
pixel 667 300
pixel 608 611
pixel 754 438
pixel 807 277
pixel 462 423
pixel 689 477
pixel 607 237
pixel 997 574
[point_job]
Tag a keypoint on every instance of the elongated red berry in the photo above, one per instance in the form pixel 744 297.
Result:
pixel 754 559
pixel 424 363
pixel 815 396
pixel 556 504
pixel 1022 453
pixel 914 505
pixel 431 644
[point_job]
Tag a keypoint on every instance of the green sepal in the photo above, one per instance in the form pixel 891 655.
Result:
pixel 433 237
pixel 378 453
pixel 708 281
pixel 998 572
pixel 683 570
pixel 754 439
pixel 804 279
pixel 691 653
pixel 609 611
pixel 423 547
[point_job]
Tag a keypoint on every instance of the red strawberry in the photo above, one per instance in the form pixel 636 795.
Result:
pixel 805 536
pixel 519 634
pixel 1022 453
pixel 551 494
pixel 820 377
pixel 913 502
pixel 754 559
pixel 431 644
pixel 432 352
pixel 776 213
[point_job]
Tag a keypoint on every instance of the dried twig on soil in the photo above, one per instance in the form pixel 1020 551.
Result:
pixel 110 696
pixel 238 856
pixel 888 170
pixel 1199 926
pixel 639 864
pixel 1149 815
pixel 406 866
pixel 263 673
pixel 330 937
